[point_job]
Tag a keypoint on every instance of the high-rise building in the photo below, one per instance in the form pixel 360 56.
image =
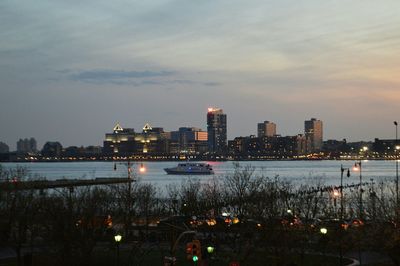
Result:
pixel 313 133
pixel 26 145
pixel 216 128
pixel 266 129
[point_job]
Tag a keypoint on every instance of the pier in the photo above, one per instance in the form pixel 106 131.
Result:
pixel 60 183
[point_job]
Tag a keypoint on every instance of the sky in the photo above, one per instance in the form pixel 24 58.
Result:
pixel 69 70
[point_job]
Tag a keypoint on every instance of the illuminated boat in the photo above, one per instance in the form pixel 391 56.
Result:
pixel 190 169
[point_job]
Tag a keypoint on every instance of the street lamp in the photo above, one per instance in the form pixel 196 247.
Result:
pixel 357 167
pixel 323 232
pixel 397 172
pixel 341 188
pixel 342 169
pixel 117 239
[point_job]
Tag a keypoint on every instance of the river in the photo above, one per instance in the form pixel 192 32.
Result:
pixel 298 172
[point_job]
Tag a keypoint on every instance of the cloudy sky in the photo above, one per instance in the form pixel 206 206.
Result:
pixel 70 69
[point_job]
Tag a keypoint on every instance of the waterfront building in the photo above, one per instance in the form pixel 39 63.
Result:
pixel 245 147
pixel 217 132
pixel 336 148
pixel 4 148
pixel 275 147
pixel 266 129
pixel 127 142
pixel 26 146
pixel 237 146
pixel 121 142
pixel 283 146
pixel 82 152
pixel 190 140
pixel 151 141
pixel 314 134
pixel 385 148
pixel 93 151
pixel 52 149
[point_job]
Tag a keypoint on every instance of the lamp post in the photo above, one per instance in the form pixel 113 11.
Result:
pixel 142 170
pixel 358 167
pixel 117 239
pixel 397 172
pixel 341 188
pixel 323 232
pixel 342 169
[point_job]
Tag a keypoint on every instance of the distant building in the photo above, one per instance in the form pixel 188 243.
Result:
pixel 336 148
pixel 26 146
pixel 82 152
pixel 72 151
pixel 127 142
pixel 266 129
pixel 151 141
pixel 4 148
pixel 188 140
pixel 93 151
pixel 216 129
pixel 384 146
pixel 284 146
pixel 52 149
pixel 313 133
pixel 275 147
pixel 120 142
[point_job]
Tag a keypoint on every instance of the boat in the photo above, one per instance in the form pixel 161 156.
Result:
pixel 190 169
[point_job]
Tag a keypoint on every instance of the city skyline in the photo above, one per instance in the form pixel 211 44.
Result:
pixel 69 71
pixel 309 127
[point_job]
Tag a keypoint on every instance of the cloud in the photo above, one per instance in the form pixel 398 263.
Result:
pixel 212 84
pixel 118 76
pixel 132 78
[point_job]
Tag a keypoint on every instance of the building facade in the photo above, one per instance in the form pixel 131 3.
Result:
pixel 217 132
pixel 276 147
pixel 151 141
pixel 127 142
pixel 314 134
pixel 121 142
pixel 189 140
pixel 26 146
pixel 4 148
pixel 52 149
pixel 266 129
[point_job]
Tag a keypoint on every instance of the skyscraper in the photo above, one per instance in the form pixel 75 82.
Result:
pixel 266 129
pixel 313 133
pixel 216 128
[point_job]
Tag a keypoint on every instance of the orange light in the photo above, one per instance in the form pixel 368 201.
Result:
pixel 142 168
pixel 210 109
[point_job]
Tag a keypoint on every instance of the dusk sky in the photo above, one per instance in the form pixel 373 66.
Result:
pixel 69 70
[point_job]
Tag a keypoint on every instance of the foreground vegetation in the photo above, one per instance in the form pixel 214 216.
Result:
pixel 248 218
